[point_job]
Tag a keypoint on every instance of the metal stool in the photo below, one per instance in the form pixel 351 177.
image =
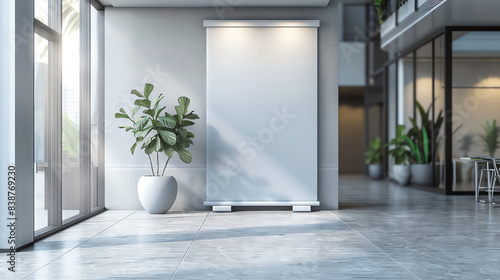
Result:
pixel 492 174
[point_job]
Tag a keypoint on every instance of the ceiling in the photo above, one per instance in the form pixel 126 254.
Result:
pixel 214 3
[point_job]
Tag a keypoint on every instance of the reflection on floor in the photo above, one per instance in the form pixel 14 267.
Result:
pixel 383 231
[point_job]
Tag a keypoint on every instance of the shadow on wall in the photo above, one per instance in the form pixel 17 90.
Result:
pixel 229 171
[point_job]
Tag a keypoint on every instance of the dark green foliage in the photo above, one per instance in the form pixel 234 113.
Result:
pixel 423 149
pixel 490 137
pixel 399 149
pixel 374 153
pixel 380 9
pixel 466 141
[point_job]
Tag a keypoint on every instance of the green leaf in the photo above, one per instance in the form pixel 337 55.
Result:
pixel 132 149
pixel 150 148
pixel 414 149
pixel 121 116
pixel 190 135
pixel 182 132
pixel 144 142
pixel 168 151
pixel 168 122
pixel 148 88
pixel 167 136
pixel 158 112
pixel 143 102
pixel 426 145
pixel 184 103
pixel 135 110
pixel 127 128
pixel 157 100
pixel 184 143
pixel 186 123
pixel 141 123
pixel 134 91
pixel 191 116
pixel 185 155
pixel 143 133
pixel 149 112
pixel 157 143
pixel 180 114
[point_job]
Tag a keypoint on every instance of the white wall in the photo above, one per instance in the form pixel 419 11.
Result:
pixel 167 48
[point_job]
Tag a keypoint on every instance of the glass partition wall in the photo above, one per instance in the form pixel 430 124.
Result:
pixel 448 86
pixel 476 100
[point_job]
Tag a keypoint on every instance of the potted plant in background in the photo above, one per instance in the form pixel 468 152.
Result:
pixel 374 157
pixel 400 153
pixel 466 141
pixel 465 169
pixel 490 137
pixel 423 142
pixel 155 133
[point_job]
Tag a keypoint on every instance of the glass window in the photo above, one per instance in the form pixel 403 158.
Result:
pixel 94 108
pixel 439 99
pixel 42 11
pixel 46 12
pixel 71 189
pixel 67 97
pixel 354 22
pixel 475 100
pixel 41 90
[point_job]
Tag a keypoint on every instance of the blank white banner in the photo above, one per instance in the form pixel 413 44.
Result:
pixel 262 113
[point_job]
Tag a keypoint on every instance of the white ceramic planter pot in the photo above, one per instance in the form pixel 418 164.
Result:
pixel 375 171
pixel 402 174
pixel 157 194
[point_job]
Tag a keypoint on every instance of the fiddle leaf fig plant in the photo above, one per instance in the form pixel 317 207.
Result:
pixel 156 131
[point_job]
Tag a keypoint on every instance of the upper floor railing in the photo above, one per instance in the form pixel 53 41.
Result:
pixel 392 13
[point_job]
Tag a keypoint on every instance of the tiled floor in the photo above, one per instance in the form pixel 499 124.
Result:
pixel 383 231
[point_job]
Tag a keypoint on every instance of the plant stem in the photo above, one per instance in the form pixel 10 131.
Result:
pixel 152 170
pixel 157 164
pixel 165 167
